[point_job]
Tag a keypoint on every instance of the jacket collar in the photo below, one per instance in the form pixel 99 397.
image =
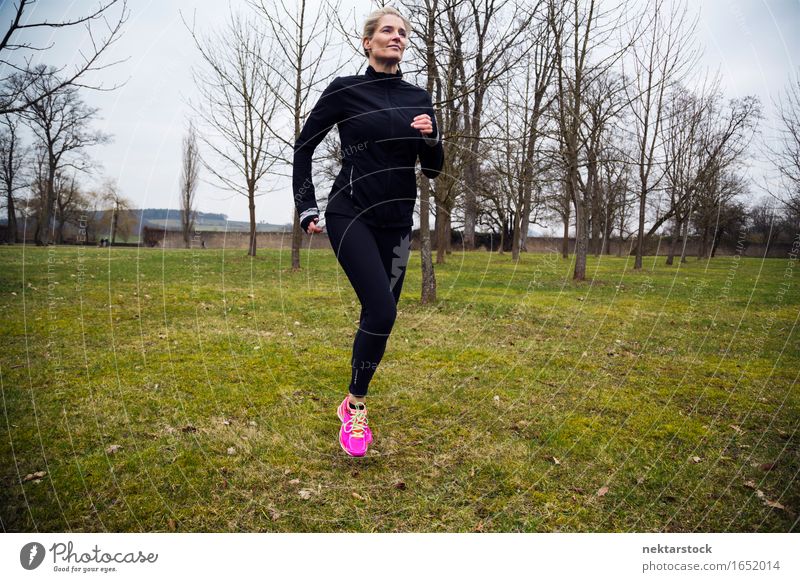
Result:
pixel 373 74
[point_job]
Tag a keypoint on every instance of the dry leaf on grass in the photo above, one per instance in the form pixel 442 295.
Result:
pixel 762 497
pixel 31 476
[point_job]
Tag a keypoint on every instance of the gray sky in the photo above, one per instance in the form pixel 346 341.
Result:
pixel 754 43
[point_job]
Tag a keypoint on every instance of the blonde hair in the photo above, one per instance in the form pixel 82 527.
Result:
pixel 371 23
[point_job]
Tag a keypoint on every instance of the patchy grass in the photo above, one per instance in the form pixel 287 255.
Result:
pixel 661 400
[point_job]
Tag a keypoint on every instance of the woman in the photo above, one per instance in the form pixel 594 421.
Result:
pixel 385 124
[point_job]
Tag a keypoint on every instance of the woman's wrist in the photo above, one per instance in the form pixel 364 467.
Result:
pixel 432 139
pixel 307 216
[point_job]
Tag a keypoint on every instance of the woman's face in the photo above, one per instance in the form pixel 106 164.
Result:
pixel 389 40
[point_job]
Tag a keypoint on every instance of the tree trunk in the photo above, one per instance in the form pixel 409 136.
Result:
pixel 503 232
pixel 470 205
pixel 684 234
pixel 42 232
pixel 426 256
pixel 581 239
pixel 11 234
pixel 701 252
pixel 252 207
pixel 621 227
pixel 516 233
pixel 637 264
pixel 595 218
pixel 676 233
pixel 441 232
pixel 715 243
pixel 565 238
pixel 114 215
pixel 608 226
pixel 60 229
pixel 297 239
pixel 526 212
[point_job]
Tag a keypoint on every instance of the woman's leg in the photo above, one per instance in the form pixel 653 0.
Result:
pixel 374 261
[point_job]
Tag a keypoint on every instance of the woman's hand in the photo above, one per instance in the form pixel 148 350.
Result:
pixel 423 123
pixel 312 226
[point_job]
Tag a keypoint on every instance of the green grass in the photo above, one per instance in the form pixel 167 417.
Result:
pixel 671 387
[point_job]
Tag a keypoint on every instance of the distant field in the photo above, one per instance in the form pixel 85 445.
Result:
pixel 182 391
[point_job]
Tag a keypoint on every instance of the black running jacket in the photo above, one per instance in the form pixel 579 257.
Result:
pixel 377 180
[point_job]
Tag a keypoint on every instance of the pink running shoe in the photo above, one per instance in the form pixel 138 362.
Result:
pixel 354 434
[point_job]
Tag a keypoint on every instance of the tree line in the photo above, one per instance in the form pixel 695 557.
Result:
pixel 47 100
pixel 595 115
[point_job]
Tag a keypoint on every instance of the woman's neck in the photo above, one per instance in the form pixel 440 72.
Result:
pixel 383 66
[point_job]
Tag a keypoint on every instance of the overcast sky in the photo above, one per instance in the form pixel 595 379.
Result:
pixel 754 44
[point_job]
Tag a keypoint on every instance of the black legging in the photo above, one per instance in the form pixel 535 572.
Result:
pixel 375 260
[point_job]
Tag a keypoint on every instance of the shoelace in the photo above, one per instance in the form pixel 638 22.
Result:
pixel 358 420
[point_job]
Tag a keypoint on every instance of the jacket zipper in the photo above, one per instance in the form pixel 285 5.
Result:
pixel 351 181
pixel 391 135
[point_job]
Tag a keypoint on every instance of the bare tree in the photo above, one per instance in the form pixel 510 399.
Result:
pixel 12 156
pixel 538 75
pixel 661 57
pixel 190 168
pixel 786 153
pixel 117 216
pixel 67 201
pixel 451 98
pixel 18 54
pixel 38 188
pixel 428 13
pixel 604 100
pixel 725 137
pixel 686 113
pixel 580 28
pixel 613 176
pixel 90 203
pixel 717 212
pixel 505 194
pixel 61 122
pixel 492 35
pixel 301 37
pixel 712 140
pixel 237 106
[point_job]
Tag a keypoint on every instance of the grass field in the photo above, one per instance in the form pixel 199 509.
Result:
pixel 196 391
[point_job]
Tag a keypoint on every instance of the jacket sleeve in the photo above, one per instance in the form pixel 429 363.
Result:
pixel 431 148
pixel 322 118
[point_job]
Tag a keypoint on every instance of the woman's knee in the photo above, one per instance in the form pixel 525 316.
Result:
pixel 380 319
